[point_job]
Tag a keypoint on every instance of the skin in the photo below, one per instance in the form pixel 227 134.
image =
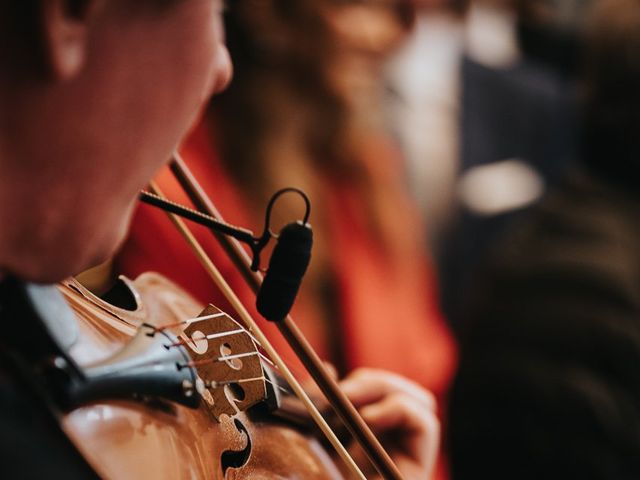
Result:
pixel 402 414
pixel 119 88
pixel 88 122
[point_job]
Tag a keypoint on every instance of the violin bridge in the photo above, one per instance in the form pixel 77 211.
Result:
pixel 227 360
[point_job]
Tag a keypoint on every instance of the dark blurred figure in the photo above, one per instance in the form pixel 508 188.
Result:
pixel 549 381
pixel 516 140
pixel 422 78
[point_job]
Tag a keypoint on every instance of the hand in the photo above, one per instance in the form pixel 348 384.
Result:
pixel 402 414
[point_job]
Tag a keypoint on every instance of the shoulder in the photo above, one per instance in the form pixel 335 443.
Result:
pixel 585 230
pixel 572 269
pixel 550 364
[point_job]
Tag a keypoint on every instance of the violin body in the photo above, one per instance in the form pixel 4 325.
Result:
pixel 154 438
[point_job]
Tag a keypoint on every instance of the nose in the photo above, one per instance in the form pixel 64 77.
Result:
pixel 224 70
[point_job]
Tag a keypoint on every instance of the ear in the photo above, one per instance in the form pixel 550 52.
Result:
pixel 65 25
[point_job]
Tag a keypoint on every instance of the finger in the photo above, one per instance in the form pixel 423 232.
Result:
pixel 365 386
pixel 399 412
pixel 311 387
pixel 331 369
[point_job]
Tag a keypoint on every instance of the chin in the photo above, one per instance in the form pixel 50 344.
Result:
pixel 52 269
pixel 78 248
pixel 57 267
pixel 106 250
pixel 102 248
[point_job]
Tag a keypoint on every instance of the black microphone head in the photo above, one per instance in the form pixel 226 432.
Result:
pixel 287 266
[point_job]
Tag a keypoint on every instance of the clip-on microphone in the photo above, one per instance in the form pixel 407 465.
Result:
pixel 288 262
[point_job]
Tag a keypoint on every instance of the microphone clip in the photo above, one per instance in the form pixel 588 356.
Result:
pixel 255 243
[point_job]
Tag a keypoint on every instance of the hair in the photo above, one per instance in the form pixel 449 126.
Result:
pixel 20 50
pixel 283 52
pixel 612 73
pixel 21 47
pixel 278 47
pixel 297 128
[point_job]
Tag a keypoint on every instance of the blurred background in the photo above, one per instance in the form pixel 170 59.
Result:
pixel 425 133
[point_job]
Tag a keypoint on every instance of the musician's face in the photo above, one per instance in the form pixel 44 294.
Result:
pixel 124 82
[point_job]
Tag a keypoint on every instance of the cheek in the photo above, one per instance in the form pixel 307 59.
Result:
pixel 196 67
pixel 154 76
pixel 108 237
pixel 202 56
pixel 172 77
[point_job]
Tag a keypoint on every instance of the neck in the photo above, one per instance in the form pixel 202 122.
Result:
pixel 39 186
pixel 25 217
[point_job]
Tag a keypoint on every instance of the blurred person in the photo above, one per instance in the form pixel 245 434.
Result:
pixel 302 111
pixel 518 139
pixel 486 126
pixel 422 106
pixel 548 384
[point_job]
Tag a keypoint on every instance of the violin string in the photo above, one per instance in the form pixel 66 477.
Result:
pixel 222 358
pixel 268 360
pixel 262 356
pixel 188 321
pixel 275 385
pixel 195 363
pixel 181 342
pixel 244 314
pixel 184 341
pixel 256 341
pixel 214 384
pixel 218 359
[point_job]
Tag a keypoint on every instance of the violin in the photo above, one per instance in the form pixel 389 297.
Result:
pixel 149 384
pixel 156 438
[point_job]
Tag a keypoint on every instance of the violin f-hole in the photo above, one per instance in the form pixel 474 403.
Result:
pixel 236 459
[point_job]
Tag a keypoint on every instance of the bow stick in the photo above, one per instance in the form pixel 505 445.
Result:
pixel 309 358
